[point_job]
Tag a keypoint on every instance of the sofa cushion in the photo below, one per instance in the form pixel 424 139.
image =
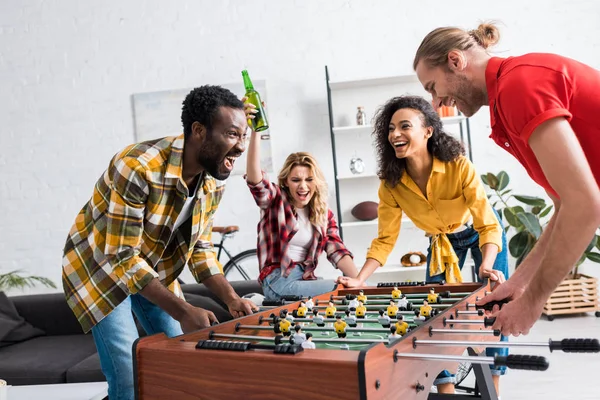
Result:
pixel 241 288
pixel 45 359
pixel 49 312
pixel 13 328
pixel 88 370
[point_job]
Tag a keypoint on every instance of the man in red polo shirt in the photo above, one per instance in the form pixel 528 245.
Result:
pixel 544 111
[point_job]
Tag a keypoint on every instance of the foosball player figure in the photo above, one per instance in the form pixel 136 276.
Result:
pixel 353 303
pixel 299 336
pixel 317 318
pixel 361 310
pixel 308 343
pixel 350 319
pixel 340 327
pixel 310 304
pixel 330 310
pixel 402 303
pixel 396 293
pixel 284 314
pixel 432 297
pixel 383 319
pixel 361 297
pixel 392 309
pixel 393 336
pixel 302 309
pixel 425 310
pixel 401 326
pixel 284 327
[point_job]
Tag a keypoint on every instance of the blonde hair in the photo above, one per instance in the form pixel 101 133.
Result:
pixel 438 43
pixel 317 206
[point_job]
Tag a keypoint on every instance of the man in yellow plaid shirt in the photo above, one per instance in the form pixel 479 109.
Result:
pixel 150 214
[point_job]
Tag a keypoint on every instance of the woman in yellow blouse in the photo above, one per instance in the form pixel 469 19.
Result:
pixel 424 174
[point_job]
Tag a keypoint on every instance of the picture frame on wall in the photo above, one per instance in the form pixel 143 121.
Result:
pixel 158 114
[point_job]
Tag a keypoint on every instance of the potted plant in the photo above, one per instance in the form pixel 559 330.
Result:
pixel 527 216
pixel 15 280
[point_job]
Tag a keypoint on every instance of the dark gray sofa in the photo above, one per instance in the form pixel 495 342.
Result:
pixel 64 354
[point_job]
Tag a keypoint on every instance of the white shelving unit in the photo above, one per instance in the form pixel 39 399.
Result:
pixel 350 140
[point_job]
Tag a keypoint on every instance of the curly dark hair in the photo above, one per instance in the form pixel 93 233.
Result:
pixel 442 145
pixel 202 105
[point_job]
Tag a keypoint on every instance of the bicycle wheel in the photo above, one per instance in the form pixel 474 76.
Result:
pixel 243 266
pixel 463 370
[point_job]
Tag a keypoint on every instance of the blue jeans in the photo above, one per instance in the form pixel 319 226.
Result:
pixel 275 286
pixel 462 242
pixel 114 336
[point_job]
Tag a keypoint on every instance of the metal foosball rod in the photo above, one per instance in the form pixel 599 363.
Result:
pixel 565 345
pixel 314 339
pixel 408 295
pixel 432 331
pixel 479 313
pixel 379 306
pixel 331 320
pixel 487 321
pixel 385 302
pixel 525 362
pixel 316 329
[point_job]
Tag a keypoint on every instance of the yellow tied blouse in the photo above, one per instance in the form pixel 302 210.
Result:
pixel 454 195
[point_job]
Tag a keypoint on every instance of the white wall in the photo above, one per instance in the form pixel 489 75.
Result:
pixel 68 69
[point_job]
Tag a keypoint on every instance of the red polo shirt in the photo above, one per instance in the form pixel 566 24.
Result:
pixel 525 91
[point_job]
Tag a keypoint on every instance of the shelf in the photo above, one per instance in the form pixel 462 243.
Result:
pixel 390 268
pixel 357 176
pixel 358 83
pixel 353 129
pixel 369 128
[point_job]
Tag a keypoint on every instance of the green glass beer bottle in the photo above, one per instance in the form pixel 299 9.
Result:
pixel 259 123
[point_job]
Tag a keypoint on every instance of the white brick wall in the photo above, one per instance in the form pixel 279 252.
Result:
pixel 69 67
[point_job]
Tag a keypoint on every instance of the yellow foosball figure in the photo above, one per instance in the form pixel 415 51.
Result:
pixel 361 297
pixel 425 310
pixel 330 310
pixel 401 326
pixel 340 327
pixel 432 297
pixel 284 327
pixel 392 309
pixel 361 310
pixel 396 293
pixel 302 310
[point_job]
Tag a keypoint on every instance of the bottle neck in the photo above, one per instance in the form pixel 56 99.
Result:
pixel 248 83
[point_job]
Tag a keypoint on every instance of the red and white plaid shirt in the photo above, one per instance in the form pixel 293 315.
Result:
pixel 279 223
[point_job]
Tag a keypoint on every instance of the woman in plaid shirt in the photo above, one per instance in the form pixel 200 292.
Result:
pixel 296 226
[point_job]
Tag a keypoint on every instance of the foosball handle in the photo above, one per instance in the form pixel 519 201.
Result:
pixel 518 361
pixel 576 345
pixel 489 306
pixel 489 321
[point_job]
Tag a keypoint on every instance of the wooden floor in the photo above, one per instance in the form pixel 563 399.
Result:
pixel 570 376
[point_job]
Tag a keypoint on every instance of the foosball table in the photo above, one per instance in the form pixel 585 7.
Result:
pixel 385 342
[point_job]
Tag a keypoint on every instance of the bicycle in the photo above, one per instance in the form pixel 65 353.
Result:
pixel 244 264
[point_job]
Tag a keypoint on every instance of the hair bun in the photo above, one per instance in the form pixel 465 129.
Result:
pixel 486 34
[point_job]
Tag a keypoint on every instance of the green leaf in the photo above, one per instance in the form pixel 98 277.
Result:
pixel 530 200
pixel 492 181
pixel 503 180
pixel 536 210
pixel 506 228
pixel 13 280
pixel 545 211
pixel 598 242
pixel 484 179
pixel 510 213
pixel 520 243
pixel 590 246
pixel 506 192
pixel 531 223
pixel 595 257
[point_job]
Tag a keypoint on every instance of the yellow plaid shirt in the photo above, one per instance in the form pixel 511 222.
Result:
pixel 123 237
